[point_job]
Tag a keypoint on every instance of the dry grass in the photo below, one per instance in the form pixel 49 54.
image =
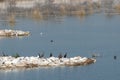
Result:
pixel 11 20
pixel 117 7
pixel 81 12
pixel 62 10
pixel 36 14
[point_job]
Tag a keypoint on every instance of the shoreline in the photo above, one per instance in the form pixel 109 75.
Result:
pixel 38 9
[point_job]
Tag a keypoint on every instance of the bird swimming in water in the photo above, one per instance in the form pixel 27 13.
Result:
pixel 115 57
pixel 51 41
pixel 95 55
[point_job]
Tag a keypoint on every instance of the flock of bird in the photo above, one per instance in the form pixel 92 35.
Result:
pixel 51 55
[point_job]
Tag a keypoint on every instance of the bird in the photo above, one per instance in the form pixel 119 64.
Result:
pixel 51 55
pixel 41 55
pixel 3 54
pixel 115 57
pixel 65 55
pixel 60 56
pixel 51 41
pixel 95 55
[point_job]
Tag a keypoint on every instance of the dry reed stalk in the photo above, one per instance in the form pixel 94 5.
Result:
pixel 36 14
pixel 117 7
pixel 81 12
pixel 62 10
pixel 11 20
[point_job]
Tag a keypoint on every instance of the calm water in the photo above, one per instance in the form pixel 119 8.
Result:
pixel 96 33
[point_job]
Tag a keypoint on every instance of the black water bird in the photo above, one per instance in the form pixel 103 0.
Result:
pixel 65 55
pixel 95 55
pixel 3 54
pixel 41 55
pixel 51 55
pixel 51 41
pixel 60 56
pixel 115 57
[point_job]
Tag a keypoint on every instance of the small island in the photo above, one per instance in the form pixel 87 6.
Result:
pixel 9 62
pixel 9 33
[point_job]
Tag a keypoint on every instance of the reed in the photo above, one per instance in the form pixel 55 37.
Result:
pixel 117 8
pixel 46 11
pixel 36 14
pixel 62 10
pixel 11 20
pixel 81 12
pixel 90 7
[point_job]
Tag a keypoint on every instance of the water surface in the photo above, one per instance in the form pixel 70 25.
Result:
pixel 96 33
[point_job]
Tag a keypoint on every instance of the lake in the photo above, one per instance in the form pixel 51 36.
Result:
pixel 92 34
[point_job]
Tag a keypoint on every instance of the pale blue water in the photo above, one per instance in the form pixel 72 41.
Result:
pixel 96 33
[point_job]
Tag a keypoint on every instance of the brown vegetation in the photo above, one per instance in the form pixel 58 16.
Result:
pixel 1 0
pixel 62 10
pixel 117 7
pixel 11 20
pixel 36 14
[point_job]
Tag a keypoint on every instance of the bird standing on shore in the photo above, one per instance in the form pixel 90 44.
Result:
pixel 41 55
pixel 51 55
pixel 60 56
pixel 65 55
